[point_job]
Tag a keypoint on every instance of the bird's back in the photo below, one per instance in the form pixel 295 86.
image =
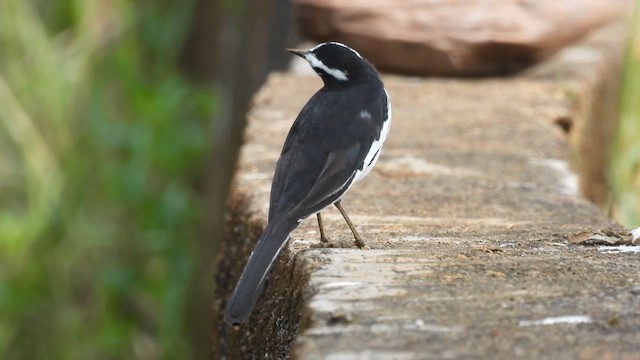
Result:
pixel 325 147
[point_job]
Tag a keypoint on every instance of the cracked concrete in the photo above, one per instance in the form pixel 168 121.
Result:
pixel 467 215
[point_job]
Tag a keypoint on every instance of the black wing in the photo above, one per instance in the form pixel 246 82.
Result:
pixel 323 150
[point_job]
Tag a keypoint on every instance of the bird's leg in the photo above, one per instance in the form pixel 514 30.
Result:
pixel 359 242
pixel 322 237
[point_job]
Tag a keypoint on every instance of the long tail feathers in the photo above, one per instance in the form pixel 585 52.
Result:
pixel 249 286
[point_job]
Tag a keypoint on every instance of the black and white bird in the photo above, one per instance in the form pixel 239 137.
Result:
pixel 333 143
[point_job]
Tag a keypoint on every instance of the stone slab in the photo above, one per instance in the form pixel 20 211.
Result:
pixel 467 215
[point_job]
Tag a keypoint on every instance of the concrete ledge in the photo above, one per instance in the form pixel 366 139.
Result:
pixel 467 214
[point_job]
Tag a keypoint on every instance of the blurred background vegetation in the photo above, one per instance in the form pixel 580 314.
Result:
pixel 115 159
pixel 101 141
pixel 625 169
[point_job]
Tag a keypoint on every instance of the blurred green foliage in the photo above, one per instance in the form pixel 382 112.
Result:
pixel 625 171
pixel 101 141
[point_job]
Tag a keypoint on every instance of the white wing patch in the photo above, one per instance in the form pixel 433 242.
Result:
pixel 317 64
pixel 374 153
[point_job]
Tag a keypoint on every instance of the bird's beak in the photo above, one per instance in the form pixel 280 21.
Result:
pixel 298 52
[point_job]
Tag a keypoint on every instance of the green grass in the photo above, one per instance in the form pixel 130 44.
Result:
pixel 625 170
pixel 100 142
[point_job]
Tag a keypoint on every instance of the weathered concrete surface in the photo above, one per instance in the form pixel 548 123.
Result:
pixel 467 214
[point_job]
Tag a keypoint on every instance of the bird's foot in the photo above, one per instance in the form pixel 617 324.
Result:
pixel 360 243
pixel 326 243
pixel 342 244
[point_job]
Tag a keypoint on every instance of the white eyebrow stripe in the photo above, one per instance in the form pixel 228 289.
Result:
pixel 339 44
pixel 314 62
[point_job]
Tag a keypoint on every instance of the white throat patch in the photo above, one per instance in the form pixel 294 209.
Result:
pixel 317 64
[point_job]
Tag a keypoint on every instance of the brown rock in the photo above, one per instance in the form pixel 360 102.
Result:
pixel 454 38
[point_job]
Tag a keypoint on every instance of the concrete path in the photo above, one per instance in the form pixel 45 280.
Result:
pixel 467 215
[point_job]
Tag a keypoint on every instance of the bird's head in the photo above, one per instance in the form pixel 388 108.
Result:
pixel 336 63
